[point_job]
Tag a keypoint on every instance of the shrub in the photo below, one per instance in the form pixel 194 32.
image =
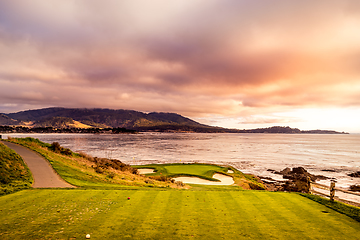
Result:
pixel 254 186
pixel 55 147
pixel 99 169
pixel 106 163
pixel 111 175
pixel 160 178
pixel 4 179
pixel 86 156
pixel 179 183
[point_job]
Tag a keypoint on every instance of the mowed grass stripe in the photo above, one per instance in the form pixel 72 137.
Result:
pixel 188 217
pixel 306 217
pixel 244 223
pixel 124 219
pixel 259 225
pixel 157 224
pixel 320 217
pixel 295 210
pixel 182 216
pixel 172 217
pixel 225 221
pixel 171 214
pixel 48 213
pixel 207 223
pixel 36 209
pixel 283 225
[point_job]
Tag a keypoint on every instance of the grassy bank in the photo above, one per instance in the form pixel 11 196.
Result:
pixel 87 172
pixel 170 214
pixel 14 174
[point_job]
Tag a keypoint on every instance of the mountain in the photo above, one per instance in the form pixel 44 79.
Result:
pixel 104 118
pixel 69 119
pixel 6 120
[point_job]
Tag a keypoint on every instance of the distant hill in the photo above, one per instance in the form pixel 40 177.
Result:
pixel 6 120
pixel 104 118
pixel 71 118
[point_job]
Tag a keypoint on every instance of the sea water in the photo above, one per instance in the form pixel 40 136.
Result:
pixel 334 156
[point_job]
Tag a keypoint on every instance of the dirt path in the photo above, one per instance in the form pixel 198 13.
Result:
pixel 43 174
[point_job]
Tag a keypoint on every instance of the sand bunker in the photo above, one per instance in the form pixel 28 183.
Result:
pixel 230 171
pixel 224 180
pixel 145 170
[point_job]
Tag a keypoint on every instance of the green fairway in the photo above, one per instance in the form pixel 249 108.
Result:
pixel 204 171
pixel 195 169
pixel 170 214
pixel 173 170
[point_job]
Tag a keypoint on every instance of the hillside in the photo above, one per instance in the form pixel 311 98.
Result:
pixel 14 173
pixel 82 170
pixel 65 119
pixel 5 120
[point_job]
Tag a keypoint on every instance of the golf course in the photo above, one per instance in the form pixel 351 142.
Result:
pixel 109 200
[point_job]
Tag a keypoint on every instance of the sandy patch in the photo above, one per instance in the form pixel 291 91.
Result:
pixel 145 170
pixel 230 171
pixel 224 180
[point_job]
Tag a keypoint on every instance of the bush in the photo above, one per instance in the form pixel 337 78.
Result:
pixel 67 151
pixel 106 163
pixel 160 178
pixel 355 188
pixel 4 180
pixel 99 169
pixel 179 183
pixel 111 175
pixel 254 186
pixel 55 147
pixel 86 156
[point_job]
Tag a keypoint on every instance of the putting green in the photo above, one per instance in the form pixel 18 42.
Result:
pixel 193 169
pixel 170 214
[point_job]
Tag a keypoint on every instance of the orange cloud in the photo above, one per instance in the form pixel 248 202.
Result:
pixel 228 58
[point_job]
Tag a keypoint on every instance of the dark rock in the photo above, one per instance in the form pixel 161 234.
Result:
pixel 296 186
pixel 328 170
pixel 355 188
pixel 299 179
pixel 299 170
pixel 300 173
pixel 355 174
pixel 285 171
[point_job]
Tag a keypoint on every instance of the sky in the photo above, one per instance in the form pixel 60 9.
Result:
pixel 229 63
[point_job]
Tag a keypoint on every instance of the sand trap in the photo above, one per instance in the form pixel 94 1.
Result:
pixel 230 171
pixel 224 180
pixel 145 170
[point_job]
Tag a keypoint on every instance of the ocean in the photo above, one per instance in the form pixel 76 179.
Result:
pixel 334 156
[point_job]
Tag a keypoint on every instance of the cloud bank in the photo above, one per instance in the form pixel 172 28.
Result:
pixel 198 58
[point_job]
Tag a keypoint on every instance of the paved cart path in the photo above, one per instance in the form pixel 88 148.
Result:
pixel 43 174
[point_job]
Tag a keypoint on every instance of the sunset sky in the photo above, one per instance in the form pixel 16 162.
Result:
pixel 230 63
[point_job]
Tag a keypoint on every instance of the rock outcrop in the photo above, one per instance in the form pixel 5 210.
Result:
pixel 355 174
pixel 298 180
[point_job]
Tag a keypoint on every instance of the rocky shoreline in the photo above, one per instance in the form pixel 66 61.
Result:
pixel 298 180
pixel 295 180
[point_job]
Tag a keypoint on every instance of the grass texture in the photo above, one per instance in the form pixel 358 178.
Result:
pixel 14 173
pixel 170 214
